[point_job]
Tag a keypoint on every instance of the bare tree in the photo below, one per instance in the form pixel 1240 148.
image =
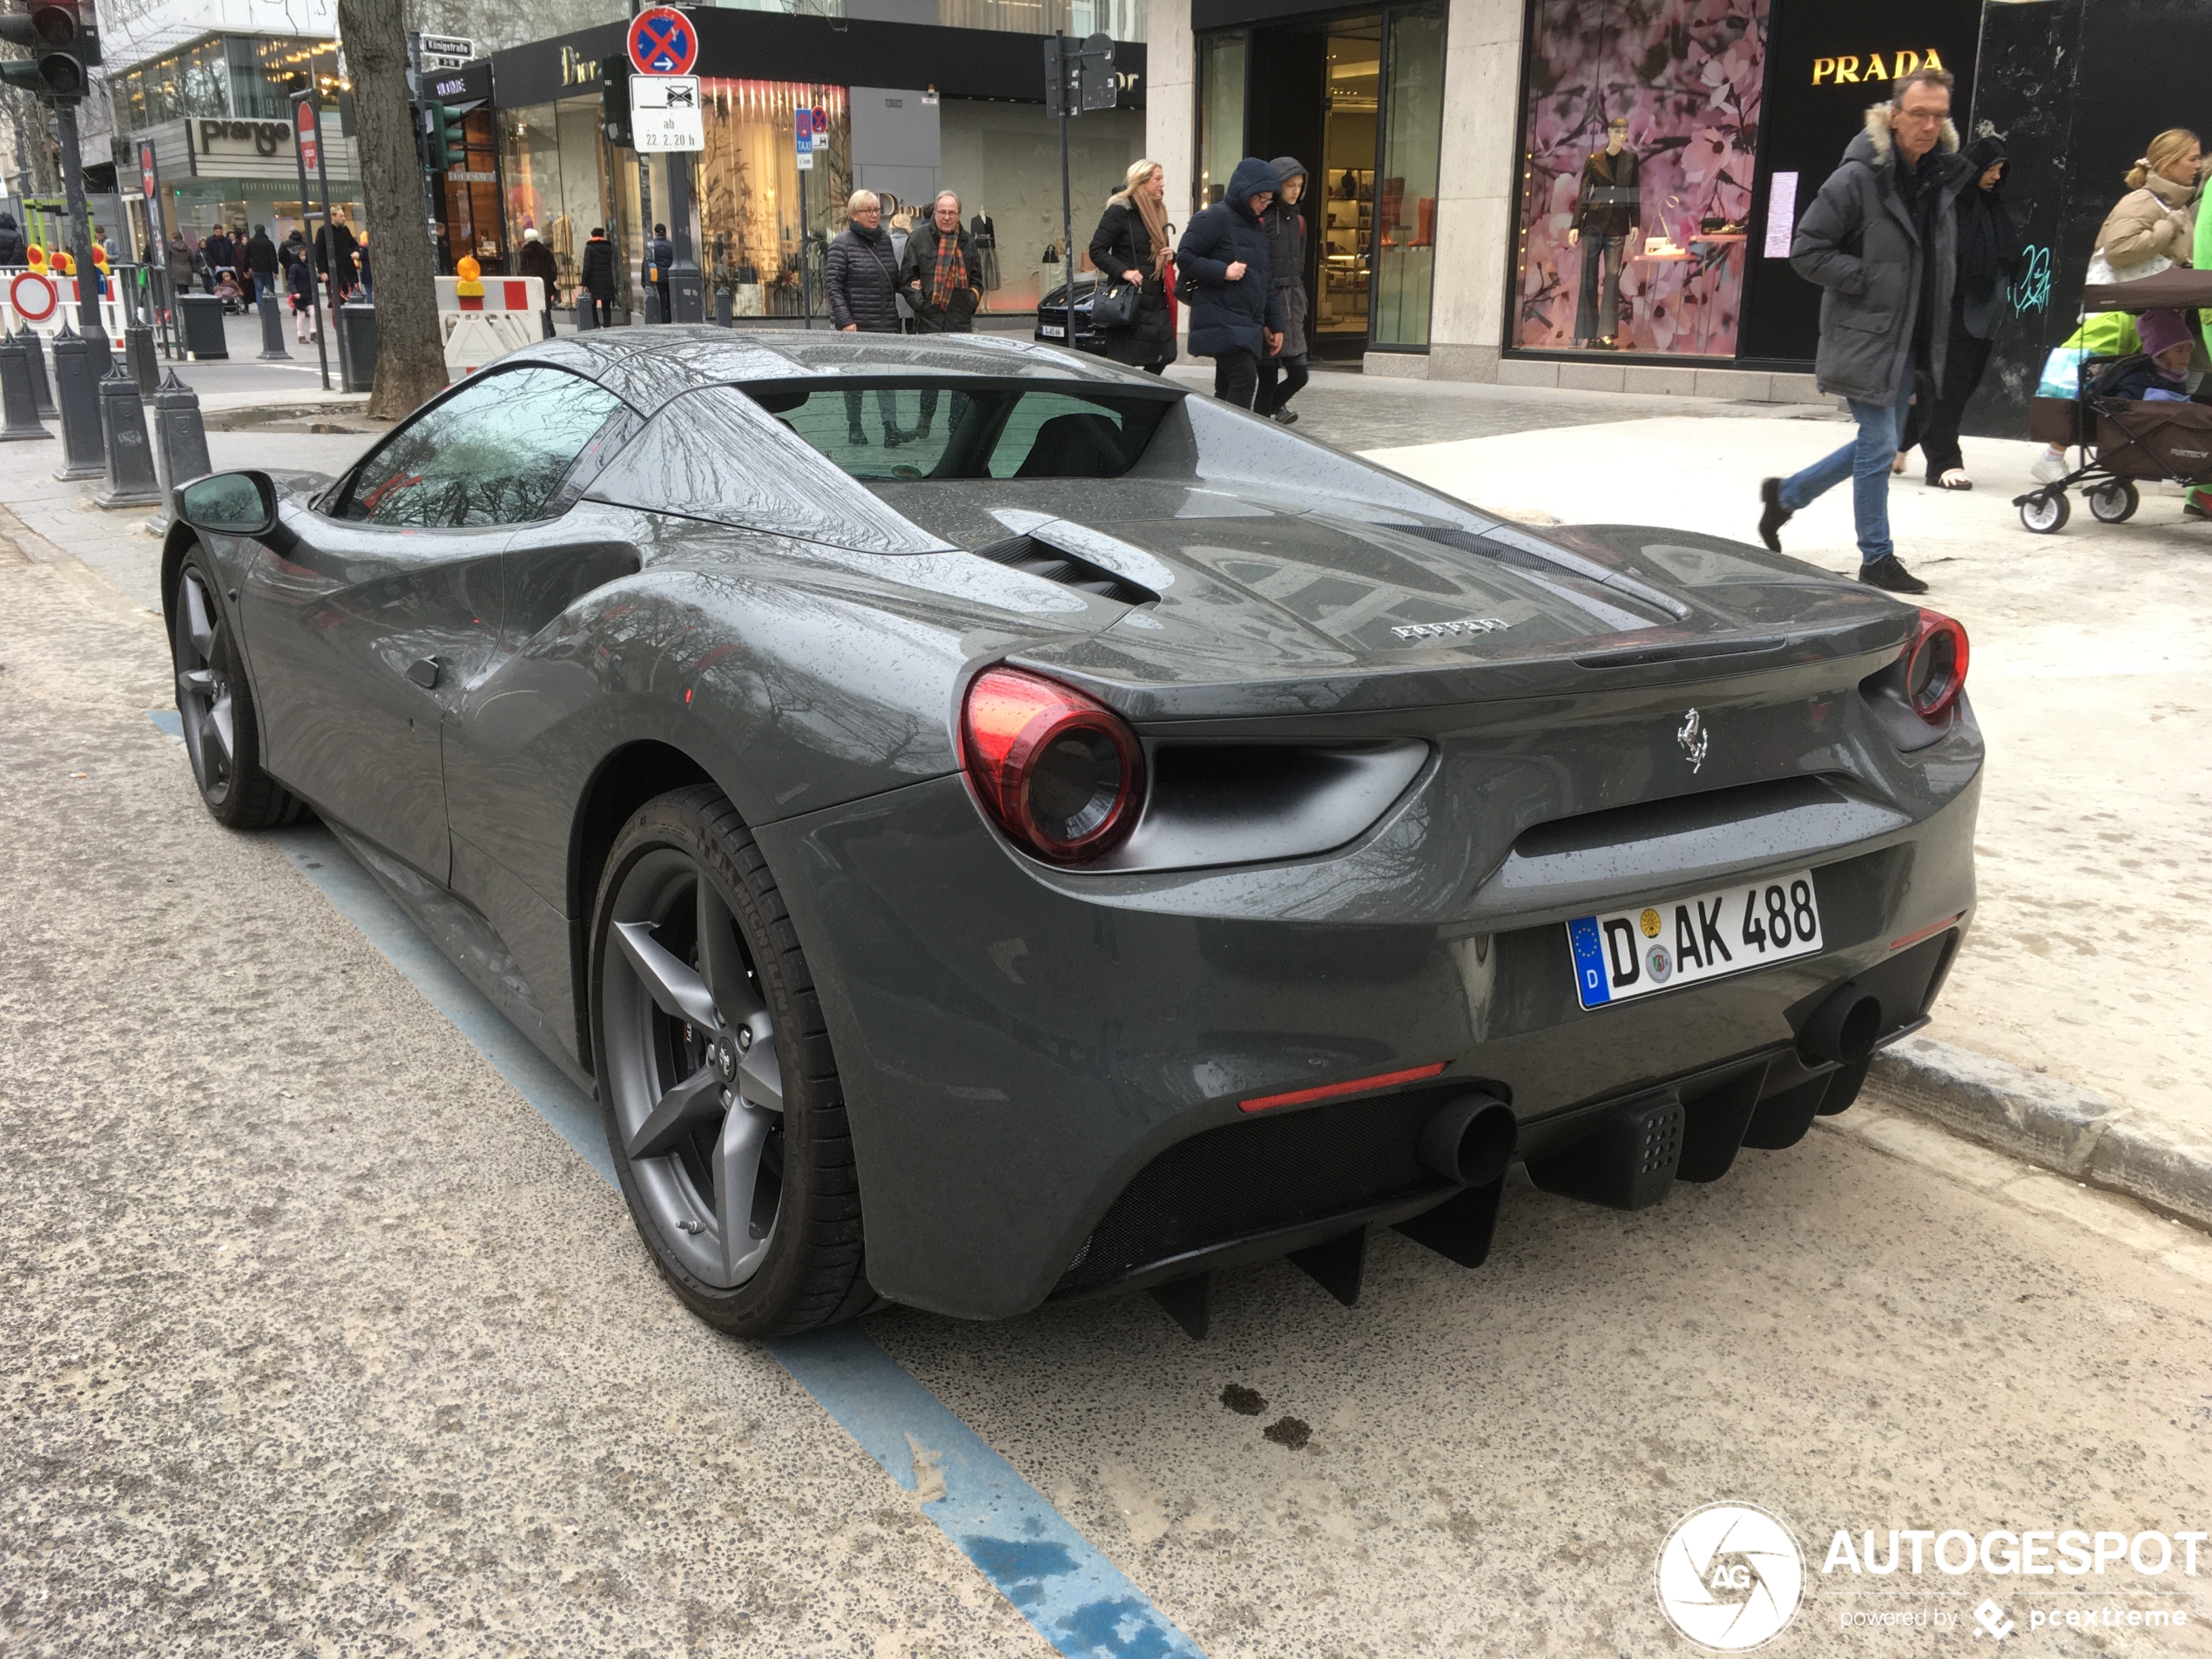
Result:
pixel 410 351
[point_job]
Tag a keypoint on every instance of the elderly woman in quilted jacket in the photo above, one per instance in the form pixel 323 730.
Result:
pixel 863 280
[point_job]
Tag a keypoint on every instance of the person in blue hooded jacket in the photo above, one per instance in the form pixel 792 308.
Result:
pixel 1222 274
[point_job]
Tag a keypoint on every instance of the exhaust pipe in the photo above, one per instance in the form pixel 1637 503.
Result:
pixel 1841 1029
pixel 1470 1140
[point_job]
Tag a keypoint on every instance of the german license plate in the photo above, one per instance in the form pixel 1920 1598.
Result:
pixel 1051 330
pixel 1686 941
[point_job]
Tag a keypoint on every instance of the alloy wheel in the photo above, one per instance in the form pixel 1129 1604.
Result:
pixel 204 696
pixel 691 1065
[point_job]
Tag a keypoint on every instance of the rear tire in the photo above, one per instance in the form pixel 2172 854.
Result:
pixel 2115 502
pixel 752 1213
pixel 215 705
pixel 2045 511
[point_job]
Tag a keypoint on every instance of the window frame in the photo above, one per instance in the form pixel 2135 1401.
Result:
pixel 331 504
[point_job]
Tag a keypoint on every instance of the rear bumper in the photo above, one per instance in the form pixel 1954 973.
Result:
pixel 1044 1084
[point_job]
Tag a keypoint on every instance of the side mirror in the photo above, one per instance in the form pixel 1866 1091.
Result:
pixel 229 503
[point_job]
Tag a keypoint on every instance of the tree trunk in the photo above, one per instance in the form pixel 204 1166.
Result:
pixel 410 349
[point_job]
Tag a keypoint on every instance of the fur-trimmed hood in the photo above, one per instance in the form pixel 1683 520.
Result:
pixel 1878 134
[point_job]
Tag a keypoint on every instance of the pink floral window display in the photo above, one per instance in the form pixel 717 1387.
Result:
pixel 1686 75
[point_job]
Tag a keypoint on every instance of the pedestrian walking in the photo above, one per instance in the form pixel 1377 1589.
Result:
pixel 1235 317
pixel 1882 239
pixel 217 256
pixel 334 246
pixel 177 261
pixel 2150 229
pixel 261 260
pixel 299 281
pixel 596 273
pixel 1285 227
pixel 937 276
pixel 660 253
pixel 863 281
pixel 1988 250
pixel 15 248
pixel 1134 244
pixel 536 260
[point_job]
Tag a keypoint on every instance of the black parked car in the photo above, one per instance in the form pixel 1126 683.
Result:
pixel 1052 315
pixel 1098 838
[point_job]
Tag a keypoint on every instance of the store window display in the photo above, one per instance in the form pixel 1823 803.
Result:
pixel 1642 132
pixel 1609 220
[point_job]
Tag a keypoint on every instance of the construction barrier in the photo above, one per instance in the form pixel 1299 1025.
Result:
pixel 40 301
pixel 479 327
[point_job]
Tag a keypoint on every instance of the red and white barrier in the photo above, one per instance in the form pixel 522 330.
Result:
pixel 506 317
pixel 40 301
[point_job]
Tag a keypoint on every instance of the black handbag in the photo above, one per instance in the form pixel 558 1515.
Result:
pixel 1114 306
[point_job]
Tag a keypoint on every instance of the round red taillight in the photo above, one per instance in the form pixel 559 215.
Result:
pixel 1935 666
pixel 1060 773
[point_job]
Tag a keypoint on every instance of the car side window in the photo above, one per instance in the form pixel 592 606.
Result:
pixel 1051 435
pixel 494 453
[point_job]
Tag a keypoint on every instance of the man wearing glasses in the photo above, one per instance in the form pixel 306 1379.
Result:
pixel 937 278
pixel 1882 239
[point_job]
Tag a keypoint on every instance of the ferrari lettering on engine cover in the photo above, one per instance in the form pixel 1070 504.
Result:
pixel 1441 630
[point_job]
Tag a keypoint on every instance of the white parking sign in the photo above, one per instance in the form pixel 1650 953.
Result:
pixel 664 112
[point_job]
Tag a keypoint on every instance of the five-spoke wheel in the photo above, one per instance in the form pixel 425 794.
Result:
pixel 222 737
pixel 737 1169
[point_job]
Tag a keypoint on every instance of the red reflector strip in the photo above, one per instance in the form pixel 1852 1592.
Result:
pixel 1926 933
pixel 1331 1091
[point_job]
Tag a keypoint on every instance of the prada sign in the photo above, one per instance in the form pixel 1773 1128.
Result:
pixel 1845 71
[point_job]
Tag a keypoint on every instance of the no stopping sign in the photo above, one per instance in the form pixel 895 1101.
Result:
pixel 33 296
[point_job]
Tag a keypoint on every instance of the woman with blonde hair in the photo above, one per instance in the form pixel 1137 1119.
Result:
pixel 1134 245
pixel 2151 229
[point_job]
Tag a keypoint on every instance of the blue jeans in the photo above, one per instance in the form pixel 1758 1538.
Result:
pixel 1866 461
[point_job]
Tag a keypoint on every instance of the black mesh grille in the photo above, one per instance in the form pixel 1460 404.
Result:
pixel 1027 553
pixel 1251 1177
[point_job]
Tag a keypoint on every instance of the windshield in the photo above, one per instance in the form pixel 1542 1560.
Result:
pixel 912 428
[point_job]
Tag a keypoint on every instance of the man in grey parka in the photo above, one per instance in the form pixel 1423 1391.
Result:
pixel 1882 239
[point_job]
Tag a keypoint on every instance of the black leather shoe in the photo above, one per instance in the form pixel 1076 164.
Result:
pixel 1889 574
pixel 1284 417
pixel 893 438
pixel 1775 517
pixel 856 437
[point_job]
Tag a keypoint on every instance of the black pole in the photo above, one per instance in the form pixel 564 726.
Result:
pixel 1069 81
pixel 300 159
pixel 806 242
pixel 80 223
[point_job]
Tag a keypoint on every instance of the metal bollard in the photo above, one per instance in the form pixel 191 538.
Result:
pixel 42 388
pixel 138 351
pixel 16 400
pixel 724 306
pixel 273 349
pixel 78 395
pixel 180 445
pixel 130 480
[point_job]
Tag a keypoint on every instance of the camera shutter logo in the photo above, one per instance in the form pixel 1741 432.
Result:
pixel 1731 1576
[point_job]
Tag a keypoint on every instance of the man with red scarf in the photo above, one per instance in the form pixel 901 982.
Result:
pixel 938 279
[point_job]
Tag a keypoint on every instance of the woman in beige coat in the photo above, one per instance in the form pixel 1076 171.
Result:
pixel 2156 219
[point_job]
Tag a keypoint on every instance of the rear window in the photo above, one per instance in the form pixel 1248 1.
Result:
pixel 909 428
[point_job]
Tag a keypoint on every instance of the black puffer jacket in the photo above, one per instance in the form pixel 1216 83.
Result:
pixel 13 249
pixel 1121 243
pixel 863 280
pixel 1228 316
pixel 1286 255
pixel 597 275
pixel 1861 242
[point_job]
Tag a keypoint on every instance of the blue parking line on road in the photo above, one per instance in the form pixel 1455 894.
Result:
pixel 1066 1587
pixel 1076 1598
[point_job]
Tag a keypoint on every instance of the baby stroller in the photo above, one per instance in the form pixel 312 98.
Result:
pixel 2121 442
pixel 229 292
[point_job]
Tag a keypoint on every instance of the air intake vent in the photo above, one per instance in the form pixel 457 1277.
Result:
pixel 1027 553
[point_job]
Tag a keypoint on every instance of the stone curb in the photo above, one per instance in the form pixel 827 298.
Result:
pixel 2057 1125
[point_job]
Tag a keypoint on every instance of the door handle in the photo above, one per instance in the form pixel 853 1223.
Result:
pixel 424 671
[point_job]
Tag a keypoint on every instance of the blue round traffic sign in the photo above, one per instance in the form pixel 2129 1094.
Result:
pixel 662 42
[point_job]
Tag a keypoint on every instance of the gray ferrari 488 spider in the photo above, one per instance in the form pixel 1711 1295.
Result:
pixel 992 826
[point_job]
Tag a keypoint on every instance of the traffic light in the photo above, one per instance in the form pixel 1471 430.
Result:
pixel 449 144
pixel 62 42
pixel 614 100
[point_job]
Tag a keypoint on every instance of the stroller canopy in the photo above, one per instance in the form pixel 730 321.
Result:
pixel 2179 289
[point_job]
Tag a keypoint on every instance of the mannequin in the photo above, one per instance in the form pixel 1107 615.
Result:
pixel 1610 205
